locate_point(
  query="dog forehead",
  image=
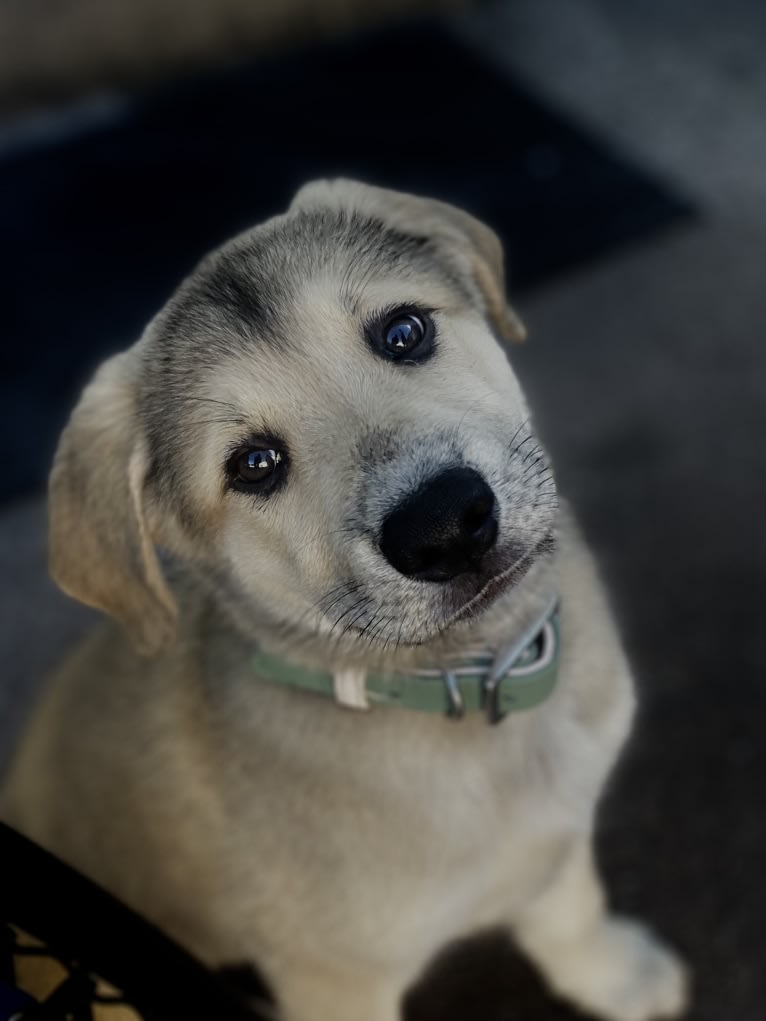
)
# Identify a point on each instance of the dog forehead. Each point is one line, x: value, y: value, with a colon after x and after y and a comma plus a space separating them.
x: 243, y: 296
x: 245, y: 291
x: 281, y: 305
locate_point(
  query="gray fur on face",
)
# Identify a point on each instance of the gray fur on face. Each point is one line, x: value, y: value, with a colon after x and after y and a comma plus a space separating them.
x: 241, y: 352
x: 239, y: 302
x: 393, y: 466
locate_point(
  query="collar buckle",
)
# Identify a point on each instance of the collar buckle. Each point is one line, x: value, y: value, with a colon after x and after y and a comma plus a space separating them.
x: 491, y: 698
x: 506, y: 662
x: 455, y: 704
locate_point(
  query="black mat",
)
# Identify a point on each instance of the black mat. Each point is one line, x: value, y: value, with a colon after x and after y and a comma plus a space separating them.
x: 98, y: 229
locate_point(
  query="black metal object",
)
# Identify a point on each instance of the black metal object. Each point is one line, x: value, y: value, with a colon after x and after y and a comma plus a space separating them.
x: 92, y: 934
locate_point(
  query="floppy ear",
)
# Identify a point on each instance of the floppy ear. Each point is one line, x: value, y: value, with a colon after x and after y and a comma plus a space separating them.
x: 100, y: 548
x: 469, y: 241
x: 488, y: 266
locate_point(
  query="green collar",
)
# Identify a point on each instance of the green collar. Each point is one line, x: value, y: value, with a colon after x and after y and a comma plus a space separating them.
x: 518, y: 676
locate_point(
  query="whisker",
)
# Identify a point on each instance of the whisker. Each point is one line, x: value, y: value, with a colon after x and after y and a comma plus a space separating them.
x: 212, y: 400
x: 217, y: 421
x: 354, y: 606
x: 530, y: 453
x: 345, y: 591
x: 470, y: 408
x: 513, y: 438
x: 531, y: 469
x: 365, y: 632
x: 399, y: 633
x: 383, y: 622
x: 359, y: 615
x: 523, y: 443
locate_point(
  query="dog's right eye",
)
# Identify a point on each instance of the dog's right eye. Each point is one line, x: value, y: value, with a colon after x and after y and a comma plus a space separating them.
x: 259, y: 468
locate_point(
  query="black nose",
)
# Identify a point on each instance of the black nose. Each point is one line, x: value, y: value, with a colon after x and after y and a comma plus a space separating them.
x: 443, y: 529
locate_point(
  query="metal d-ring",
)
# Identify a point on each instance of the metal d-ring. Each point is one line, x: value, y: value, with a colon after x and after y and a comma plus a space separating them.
x: 455, y: 704
x: 505, y: 660
x: 491, y: 697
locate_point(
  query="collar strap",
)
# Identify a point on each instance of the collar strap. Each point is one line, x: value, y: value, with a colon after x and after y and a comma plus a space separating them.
x: 522, y: 674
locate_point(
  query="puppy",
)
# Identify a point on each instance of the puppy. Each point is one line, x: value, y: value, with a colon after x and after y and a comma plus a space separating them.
x: 341, y: 722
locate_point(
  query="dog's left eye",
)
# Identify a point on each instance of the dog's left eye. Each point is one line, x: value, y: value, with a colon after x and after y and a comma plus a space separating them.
x: 406, y: 336
x: 256, y: 468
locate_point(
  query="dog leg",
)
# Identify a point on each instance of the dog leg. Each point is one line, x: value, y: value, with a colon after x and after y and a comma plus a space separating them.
x: 611, y: 967
x: 315, y: 995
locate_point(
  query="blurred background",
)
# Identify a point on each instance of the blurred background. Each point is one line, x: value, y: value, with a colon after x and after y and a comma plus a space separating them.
x: 619, y: 150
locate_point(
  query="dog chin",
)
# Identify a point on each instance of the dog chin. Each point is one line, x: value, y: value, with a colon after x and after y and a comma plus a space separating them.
x: 490, y: 591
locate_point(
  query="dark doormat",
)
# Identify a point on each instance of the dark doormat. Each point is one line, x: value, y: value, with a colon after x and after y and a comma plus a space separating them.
x: 97, y: 228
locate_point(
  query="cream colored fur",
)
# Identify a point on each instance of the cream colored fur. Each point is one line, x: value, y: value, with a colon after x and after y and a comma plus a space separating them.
x: 337, y: 850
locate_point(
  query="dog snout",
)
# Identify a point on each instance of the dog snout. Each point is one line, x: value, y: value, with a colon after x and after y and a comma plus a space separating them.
x: 443, y: 529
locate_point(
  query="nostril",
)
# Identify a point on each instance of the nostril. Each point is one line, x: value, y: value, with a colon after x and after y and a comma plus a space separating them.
x: 486, y: 531
x: 479, y: 514
x: 482, y: 537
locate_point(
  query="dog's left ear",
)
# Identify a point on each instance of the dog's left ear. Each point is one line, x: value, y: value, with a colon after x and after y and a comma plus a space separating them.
x: 101, y: 546
x: 468, y: 242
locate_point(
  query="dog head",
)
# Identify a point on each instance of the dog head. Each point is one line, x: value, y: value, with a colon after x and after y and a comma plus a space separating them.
x: 325, y: 420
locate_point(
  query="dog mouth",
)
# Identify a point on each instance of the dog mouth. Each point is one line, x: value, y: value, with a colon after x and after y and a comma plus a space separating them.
x: 500, y: 583
x: 358, y: 616
x: 494, y: 587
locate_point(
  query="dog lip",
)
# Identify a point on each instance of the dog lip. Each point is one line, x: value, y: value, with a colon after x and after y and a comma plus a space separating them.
x: 498, y: 583
x: 492, y: 588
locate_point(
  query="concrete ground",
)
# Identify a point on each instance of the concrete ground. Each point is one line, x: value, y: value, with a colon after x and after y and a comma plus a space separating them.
x: 648, y: 376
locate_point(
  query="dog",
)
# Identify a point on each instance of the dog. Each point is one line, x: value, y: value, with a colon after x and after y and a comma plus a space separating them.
x: 362, y: 689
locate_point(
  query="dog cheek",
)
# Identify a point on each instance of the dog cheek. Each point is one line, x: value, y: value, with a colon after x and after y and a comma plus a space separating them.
x: 255, y: 558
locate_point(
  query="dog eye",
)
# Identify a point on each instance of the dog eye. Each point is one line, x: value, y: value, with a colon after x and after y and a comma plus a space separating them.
x: 406, y: 336
x: 256, y: 469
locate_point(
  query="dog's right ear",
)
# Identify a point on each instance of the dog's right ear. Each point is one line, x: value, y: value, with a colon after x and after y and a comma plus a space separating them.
x: 100, y: 547
x: 467, y: 239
